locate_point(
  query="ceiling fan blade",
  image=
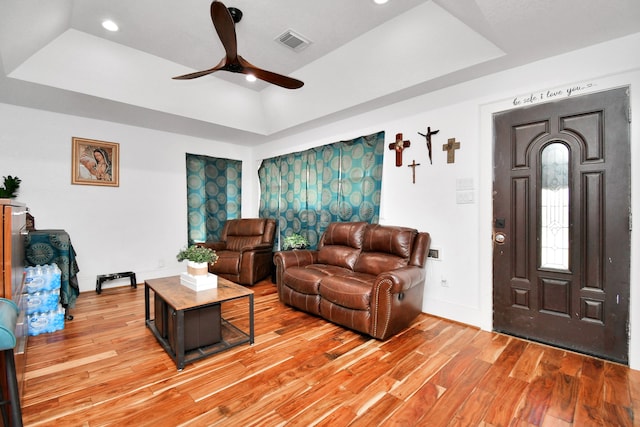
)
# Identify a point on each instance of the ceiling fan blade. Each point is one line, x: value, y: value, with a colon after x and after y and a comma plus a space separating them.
x: 197, y: 74
x: 269, y: 76
x: 194, y: 75
x: 223, y: 23
x: 277, y: 79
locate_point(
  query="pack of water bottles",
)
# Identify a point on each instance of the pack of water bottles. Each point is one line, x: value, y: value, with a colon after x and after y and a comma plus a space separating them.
x: 43, y: 301
x: 44, y: 311
x: 42, y: 278
x: 45, y: 322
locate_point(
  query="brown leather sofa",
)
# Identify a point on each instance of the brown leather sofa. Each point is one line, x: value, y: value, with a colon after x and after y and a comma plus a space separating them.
x: 367, y: 277
x: 245, y: 250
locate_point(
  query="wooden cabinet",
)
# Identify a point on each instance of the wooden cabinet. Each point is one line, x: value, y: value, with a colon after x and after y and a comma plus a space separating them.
x: 12, y: 278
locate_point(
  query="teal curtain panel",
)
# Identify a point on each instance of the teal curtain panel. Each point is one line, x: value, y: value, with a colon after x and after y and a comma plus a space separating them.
x: 307, y: 190
x: 213, y: 195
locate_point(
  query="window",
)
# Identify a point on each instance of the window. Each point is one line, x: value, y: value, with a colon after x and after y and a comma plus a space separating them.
x: 554, y: 207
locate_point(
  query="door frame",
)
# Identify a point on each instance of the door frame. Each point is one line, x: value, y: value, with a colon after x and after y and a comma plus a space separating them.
x: 485, y: 199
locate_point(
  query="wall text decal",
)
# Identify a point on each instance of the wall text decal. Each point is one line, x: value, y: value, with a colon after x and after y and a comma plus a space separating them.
x: 550, y: 94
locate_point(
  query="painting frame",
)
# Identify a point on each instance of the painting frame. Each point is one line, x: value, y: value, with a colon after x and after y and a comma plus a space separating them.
x: 95, y: 162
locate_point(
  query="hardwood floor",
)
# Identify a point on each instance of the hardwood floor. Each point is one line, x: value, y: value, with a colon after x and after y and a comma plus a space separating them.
x: 106, y: 368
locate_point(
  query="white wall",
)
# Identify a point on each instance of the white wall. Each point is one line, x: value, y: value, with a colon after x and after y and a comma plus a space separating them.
x: 142, y: 223
x: 463, y: 231
x: 138, y: 226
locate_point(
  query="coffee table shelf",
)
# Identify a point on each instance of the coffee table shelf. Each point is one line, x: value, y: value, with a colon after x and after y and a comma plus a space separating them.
x: 184, y: 300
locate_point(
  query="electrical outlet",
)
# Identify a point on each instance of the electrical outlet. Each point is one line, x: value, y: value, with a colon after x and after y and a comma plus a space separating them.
x: 464, y: 184
x: 464, y: 197
x: 434, y: 254
x: 444, y: 283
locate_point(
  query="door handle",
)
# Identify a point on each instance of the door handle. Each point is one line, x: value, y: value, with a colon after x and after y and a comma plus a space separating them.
x: 500, y: 238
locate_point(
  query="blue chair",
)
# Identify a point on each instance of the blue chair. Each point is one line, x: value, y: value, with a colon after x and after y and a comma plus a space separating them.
x: 8, y: 317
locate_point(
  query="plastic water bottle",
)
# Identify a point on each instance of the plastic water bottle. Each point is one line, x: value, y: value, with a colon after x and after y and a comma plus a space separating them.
x: 55, y: 276
x: 34, y: 302
x: 58, y: 318
x: 29, y: 274
x: 46, y: 275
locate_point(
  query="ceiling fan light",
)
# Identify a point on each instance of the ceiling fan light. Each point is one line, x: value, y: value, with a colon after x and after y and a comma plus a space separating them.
x: 109, y: 25
x: 251, y: 78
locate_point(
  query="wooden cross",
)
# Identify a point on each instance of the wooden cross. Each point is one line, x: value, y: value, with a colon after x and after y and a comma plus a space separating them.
x: 450, y: 147
x: 399, y: 145
x: 413, y: 166
x: 428, y: 136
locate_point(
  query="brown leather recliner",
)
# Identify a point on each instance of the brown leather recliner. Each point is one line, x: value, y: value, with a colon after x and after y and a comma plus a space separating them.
x: 245, y: 250
x: 367, y: 277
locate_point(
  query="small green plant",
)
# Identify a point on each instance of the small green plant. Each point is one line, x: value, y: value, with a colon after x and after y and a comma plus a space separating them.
x: 197, y: 253
x: 10, y: 188
x: 294, y: 241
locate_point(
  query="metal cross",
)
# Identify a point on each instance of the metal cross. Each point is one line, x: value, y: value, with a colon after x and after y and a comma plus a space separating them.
x: 428, y: 136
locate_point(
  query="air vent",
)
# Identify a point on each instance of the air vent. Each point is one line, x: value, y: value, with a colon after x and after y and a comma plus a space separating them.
x: 293, y: 40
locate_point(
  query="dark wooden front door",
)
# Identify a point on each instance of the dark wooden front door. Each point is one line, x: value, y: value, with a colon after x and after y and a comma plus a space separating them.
x: 561, y: 223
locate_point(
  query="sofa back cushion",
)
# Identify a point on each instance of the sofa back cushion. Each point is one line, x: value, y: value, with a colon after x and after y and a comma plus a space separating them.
x: 385, y: 248
x: 341, y: 243
x: 247, y: 232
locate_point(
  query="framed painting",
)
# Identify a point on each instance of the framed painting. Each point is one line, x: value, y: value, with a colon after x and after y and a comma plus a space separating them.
x: 95, y: 162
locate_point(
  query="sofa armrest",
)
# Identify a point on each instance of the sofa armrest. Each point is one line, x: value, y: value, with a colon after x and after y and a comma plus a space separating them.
x: 297, y: 258
x: 402, y: 279
x: 396, y: 299
x: 288, y: 259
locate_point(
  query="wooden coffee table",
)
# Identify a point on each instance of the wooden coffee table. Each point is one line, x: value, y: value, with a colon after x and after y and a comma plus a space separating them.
x: 182, y: 299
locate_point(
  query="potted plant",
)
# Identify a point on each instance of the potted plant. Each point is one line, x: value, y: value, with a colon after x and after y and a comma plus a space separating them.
x: 294, y: 241
x: 10, y: 187
x: 198, y: 259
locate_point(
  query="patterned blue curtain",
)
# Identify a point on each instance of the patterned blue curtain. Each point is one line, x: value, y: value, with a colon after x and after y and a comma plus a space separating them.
x: 213, y: 195
x: 305, y: 191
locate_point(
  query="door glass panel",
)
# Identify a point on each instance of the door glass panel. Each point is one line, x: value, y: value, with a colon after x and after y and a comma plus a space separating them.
x: 554, y: 207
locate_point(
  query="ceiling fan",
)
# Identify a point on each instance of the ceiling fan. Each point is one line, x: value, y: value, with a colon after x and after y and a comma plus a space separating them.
x: 224, y: 22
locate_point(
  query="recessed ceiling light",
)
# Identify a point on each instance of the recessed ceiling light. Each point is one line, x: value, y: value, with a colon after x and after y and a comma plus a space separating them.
x: 109, y: 25
x: 251, y: 78
x: 380, y: 1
